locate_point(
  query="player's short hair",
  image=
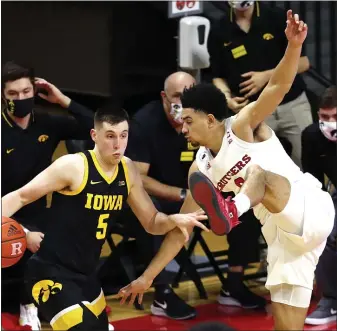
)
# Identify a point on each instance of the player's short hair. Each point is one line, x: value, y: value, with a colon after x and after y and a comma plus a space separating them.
x: 329, y: 98
x: 112, y: 113
x: 207, y: 98
x: 12, y: 71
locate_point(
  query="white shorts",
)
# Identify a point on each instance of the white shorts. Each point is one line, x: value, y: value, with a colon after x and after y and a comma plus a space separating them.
x: 292, y: 295
x: 292, y: 258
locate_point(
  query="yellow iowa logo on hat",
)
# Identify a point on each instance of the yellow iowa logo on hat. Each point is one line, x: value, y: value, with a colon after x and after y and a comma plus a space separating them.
x: 268, y: 36
x: 43, y: 138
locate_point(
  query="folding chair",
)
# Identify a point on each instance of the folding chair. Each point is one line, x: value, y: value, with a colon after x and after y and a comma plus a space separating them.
x: 198, y: 238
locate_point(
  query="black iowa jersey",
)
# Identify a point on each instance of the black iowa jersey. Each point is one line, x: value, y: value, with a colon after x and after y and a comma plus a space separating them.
x: 80, y: 220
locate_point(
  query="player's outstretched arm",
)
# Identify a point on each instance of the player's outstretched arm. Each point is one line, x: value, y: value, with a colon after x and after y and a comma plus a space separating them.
x: 172, y: 244
x: 57, y: 176
x: 280, y: 82
x: 153, y: 221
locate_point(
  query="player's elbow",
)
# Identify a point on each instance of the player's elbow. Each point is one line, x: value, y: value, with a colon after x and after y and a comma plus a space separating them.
x: 280, y: 90
x: 24, y: 197
x: 277, y: 91
x: 151, y: 230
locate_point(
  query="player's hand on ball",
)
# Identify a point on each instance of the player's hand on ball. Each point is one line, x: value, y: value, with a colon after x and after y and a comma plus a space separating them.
x: 34, y: 240
x: 137, y: 287
x: 188, y: 221
x: 296, y: 30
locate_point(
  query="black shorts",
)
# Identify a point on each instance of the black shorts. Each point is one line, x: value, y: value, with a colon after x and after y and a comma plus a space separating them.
x: 67, y: 300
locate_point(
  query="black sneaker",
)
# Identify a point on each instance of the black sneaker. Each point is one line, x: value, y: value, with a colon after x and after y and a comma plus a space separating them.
x: 321, y: 315
x: 172, y: 306
x: 241, y: 297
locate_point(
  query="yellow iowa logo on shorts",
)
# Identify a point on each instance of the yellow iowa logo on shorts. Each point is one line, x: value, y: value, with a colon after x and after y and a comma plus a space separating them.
x: 43, y: 289
x: 43, y: 138
x: 268, y: 36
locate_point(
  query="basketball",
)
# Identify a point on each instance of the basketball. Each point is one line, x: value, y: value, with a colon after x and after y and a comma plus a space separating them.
x: 13, y: 242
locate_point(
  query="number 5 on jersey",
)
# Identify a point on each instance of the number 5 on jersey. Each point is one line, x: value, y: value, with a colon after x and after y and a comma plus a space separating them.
x: 102, y: 226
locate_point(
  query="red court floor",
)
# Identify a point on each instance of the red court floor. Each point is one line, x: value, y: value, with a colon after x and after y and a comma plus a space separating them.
x: 237, y: 318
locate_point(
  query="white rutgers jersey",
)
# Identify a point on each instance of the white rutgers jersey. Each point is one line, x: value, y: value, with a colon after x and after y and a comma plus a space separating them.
x: 292, y: 257
x: 228, y: 169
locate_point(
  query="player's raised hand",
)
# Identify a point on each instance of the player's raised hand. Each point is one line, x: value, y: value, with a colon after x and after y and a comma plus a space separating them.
x: 296, y: 30
x: 137, y: 287
x: 188, y: 221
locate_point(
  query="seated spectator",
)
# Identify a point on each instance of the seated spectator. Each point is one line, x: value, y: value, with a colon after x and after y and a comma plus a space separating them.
x: 245, y: 46
x: 164, y: 157
x: 29, y: 139
x: 319, y: 157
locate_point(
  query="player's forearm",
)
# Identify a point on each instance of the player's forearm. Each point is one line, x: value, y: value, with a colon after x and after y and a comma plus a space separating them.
x: 11, y: 203
x: 160, y: 224
x: 285, y: 72
x: 160, y: 190
x: 222, y: 85
x: 170, y: 247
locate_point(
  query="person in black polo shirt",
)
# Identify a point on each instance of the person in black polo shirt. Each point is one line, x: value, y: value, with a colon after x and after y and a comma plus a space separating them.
x: 319, y: 157
x: 245, y: 46
x: 29, y: 140
x: 163, y: 157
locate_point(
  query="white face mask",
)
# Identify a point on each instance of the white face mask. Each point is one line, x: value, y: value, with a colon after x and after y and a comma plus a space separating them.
x: 240, y: 5
x: 329, y: 129
x: 176, y: 112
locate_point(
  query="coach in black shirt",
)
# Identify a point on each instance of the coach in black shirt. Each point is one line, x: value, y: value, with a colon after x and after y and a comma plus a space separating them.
x: 319, y: 157
x: 245, y: 46
x: 163, y: 157
x: 29, y: 139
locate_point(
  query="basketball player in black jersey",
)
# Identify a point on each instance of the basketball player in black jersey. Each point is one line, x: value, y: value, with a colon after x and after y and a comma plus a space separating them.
x: 90, y: 189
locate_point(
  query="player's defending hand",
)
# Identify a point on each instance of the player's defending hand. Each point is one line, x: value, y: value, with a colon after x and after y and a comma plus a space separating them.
x: 296, y: 30
x: 188, y: 221
x: 137, y: 287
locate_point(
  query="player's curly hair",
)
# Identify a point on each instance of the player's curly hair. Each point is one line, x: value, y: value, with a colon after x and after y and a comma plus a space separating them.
x: 112, y: 112
x: 207, y: 98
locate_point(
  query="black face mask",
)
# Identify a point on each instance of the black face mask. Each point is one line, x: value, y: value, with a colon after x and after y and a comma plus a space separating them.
x: 20, y: 108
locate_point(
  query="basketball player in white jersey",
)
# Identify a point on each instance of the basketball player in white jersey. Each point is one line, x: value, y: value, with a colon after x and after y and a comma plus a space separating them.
x: 241, y: 154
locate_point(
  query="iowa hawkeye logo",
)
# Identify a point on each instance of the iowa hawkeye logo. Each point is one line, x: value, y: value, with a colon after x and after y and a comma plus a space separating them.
x: 43, y: 289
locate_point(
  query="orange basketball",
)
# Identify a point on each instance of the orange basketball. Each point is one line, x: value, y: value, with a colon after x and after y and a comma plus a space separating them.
x: 13, y: 242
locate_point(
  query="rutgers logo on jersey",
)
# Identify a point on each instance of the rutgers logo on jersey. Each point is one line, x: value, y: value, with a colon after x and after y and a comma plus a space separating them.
x: 233, y: 171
